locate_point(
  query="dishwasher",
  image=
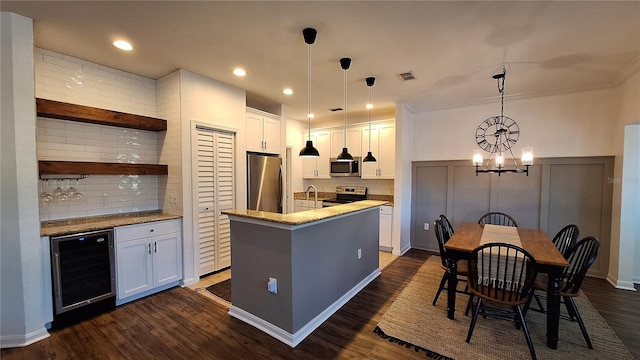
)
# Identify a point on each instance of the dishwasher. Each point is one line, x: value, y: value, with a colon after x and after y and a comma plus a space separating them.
x: 83, y: 269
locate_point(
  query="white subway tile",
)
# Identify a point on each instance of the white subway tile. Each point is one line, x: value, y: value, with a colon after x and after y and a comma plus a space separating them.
x: 50, y: 59
x: 40, y: 138
x: 100, y: 71
x: 52, y: 155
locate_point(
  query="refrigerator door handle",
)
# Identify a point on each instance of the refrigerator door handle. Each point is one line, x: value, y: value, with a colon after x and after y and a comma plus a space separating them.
x: 280, y: 191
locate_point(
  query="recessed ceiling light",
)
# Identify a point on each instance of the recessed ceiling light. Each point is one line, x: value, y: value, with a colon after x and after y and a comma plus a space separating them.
x: 239, y: 72
x: 287, y: 91
x: 122, y: 45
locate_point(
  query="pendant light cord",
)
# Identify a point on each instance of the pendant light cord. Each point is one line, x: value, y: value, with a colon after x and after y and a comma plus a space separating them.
x: 345, y: 108
x: 309, y: 89
x: 370, y: 106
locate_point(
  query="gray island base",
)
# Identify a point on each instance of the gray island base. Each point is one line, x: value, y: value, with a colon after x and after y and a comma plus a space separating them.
x: 316, y: 260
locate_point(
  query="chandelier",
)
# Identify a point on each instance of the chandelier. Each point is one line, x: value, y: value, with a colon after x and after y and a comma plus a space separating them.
x: 497, y: 135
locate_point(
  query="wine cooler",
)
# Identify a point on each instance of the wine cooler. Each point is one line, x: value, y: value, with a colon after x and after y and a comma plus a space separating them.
x: 83, y: 269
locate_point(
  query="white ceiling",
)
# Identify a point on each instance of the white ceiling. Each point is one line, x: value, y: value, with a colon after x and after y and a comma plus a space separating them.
x: 453, y: 48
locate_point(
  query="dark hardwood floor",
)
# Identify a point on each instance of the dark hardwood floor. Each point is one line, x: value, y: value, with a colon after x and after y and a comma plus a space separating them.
x: 180, y: 324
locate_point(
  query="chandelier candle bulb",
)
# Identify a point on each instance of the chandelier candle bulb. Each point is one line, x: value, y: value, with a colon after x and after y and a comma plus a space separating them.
x: 499, y: 161
x: 477, y: 157
x: 527, y: 156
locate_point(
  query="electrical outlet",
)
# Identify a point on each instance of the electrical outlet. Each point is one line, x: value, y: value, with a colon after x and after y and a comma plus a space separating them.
x: 272, y: 285
x: 426, y: 226
x: 359, y: 253
x: 104, y: 201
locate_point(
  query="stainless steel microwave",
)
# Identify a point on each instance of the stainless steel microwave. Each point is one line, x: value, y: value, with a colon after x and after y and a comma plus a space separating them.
x: 345, y: 168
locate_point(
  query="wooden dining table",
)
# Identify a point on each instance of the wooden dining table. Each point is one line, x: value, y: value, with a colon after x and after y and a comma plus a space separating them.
x: 548, y: 261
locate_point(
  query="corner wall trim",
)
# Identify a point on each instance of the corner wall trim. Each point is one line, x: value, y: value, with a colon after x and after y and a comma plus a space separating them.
x: 622, y: 285
x: 9, y: 341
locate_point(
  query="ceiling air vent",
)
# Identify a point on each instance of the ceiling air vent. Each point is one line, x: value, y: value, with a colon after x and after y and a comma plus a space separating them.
x: 406, y: 76
x: 336, y: 109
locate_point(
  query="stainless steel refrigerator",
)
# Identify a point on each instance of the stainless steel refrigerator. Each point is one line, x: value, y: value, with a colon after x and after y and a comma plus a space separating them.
x: 264, y: 183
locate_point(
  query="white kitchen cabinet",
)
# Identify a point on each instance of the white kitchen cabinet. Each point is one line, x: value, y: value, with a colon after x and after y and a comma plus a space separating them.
x: 383, y: 146
x: 386, y: 217
x: 263, y: 132
x: 317, y: 167
x: 304, y: 205
x: 148, y: 258
x: 354, y: 138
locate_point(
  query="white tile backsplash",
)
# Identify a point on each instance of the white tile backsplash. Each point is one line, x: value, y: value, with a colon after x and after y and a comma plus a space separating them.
x: 67, y: 140
x: 104, y: 195
x: 64, y: 78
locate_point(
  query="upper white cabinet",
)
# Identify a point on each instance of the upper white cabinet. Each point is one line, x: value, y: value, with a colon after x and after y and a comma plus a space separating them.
x: 354, y: 137
x: 383, y: 147
x: 263, y: 132
x: 318, y: 167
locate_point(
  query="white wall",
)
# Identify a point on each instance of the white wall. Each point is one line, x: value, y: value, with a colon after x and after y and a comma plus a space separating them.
x: 627, y: 180
x: 23, y: 312
x: 576, y: 124
x: 295, y: 131
x: 221, y: 106
x: 168, y: 102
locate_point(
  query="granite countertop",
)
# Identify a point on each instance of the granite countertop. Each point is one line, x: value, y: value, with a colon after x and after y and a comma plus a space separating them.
x: 304, y: 217
x: 78, y: 225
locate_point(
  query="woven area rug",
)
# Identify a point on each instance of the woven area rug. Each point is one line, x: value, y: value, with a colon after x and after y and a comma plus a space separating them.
x: 413, y: 322
x: 221, y: 290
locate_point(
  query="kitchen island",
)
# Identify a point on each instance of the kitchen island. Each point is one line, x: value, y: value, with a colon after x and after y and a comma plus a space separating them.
x: 291, y: 272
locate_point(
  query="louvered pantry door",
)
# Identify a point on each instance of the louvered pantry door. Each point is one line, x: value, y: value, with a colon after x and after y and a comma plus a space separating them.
x: 215, y: 171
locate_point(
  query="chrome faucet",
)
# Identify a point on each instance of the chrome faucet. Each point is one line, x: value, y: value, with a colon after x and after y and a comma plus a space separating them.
x: 315, y: 192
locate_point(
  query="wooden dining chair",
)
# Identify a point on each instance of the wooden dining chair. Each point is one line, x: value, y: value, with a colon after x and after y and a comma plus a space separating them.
x: 501, y: 274
x: 497, y: 218
x: 580, y: 257
x: 566, y: 238
x: 447, y: 225
x: 442, y: 236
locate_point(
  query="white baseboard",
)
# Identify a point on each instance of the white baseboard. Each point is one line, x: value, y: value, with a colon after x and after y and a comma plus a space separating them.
x: 294, y: 339
x: 9, y: 341
x: 189, y: 282
x: 618, y: 284
x: 402, y: 251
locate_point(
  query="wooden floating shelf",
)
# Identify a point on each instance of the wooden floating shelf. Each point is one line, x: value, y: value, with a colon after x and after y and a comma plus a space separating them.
x: 92, y: 115
x: 99, y: 168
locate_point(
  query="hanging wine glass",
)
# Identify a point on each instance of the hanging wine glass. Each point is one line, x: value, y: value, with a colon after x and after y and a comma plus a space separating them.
x: 71, y: 191
x: 58, y: 193
x: 77, y: 197
x: 45, y: 198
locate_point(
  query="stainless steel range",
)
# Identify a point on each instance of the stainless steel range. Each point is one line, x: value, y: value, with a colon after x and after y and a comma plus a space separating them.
x: 346, y: 194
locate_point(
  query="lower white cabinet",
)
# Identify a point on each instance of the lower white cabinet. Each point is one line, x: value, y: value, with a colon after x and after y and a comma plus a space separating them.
x: 386, y: 217
x: 304, y: 205
x: 148, y: 258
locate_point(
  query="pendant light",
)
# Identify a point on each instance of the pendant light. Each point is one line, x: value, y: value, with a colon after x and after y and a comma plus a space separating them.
x: 370, y: 81
x: 308, y: 150
x: 345, y: 63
